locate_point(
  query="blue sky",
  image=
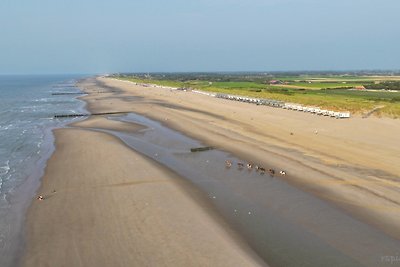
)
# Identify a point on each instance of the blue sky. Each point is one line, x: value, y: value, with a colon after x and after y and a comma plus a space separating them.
x: 98, y: 36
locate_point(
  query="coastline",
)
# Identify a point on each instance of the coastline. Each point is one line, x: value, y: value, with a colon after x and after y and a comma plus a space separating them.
x: 28, y: 143
x: 106, y: 205
x: 236, y: 129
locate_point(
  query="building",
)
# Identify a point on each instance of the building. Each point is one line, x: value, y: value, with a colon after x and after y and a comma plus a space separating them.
x: 275, y: 82
x: 361, y: 87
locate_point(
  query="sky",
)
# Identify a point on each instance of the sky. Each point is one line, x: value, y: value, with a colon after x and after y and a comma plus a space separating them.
x: 104, y: 36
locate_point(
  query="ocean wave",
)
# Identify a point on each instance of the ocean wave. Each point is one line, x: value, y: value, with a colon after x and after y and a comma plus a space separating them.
x: 46, y: 99
x: 6, y: 127
x: 4, y: 170
x: 3, y: 179
x: 46, y: 119
x: 39, y: 144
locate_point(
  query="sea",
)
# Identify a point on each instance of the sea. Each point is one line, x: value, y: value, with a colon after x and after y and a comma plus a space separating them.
x: 27, y: 108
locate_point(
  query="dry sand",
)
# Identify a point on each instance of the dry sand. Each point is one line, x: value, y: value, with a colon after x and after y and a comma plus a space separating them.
x: 113, y: 207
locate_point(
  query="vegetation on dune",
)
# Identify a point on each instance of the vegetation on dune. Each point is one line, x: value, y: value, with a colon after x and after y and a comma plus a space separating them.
x: 389, y: 85
x: 325, y: 85
x: 325, y: 91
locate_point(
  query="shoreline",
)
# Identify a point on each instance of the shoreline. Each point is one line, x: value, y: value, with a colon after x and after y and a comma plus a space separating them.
x: 227, y: 246
x: 231, y: 134
x: 22, y: 183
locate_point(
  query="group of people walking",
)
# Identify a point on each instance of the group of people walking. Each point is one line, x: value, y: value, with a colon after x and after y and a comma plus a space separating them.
x: 251, y: 166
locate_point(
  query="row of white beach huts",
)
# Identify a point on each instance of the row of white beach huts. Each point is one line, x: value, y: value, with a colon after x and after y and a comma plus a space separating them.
x: 288, y: 106
x: 258, y: 101
x: 317, y: 110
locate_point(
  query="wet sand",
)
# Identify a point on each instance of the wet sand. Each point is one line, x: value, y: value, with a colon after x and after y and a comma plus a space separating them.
x: 284, y: 225
x: 338, y: 164
x: 114, y: 207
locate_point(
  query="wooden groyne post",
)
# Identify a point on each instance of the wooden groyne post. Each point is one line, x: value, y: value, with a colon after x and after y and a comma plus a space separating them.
x: 199, y: 149
x: 71, y: 93
x: 90, y: 114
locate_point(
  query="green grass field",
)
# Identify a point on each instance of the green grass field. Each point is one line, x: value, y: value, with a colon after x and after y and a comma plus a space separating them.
x: 315, y: 93
x: 324, y: 85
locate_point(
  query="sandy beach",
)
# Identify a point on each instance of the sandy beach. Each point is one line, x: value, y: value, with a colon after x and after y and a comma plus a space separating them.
x: 113, y: 207
x: 107, y: 205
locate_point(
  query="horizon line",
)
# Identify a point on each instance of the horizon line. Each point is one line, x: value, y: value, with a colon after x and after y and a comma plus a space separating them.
x: 397, y: 71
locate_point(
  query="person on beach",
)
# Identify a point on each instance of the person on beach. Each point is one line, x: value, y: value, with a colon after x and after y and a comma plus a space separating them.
x: 40, y: 197
x: 228, y: 163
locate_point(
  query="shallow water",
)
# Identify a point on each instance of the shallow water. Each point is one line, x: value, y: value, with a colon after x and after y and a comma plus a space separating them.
x: 284, y: 225
x: 27, y: 107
